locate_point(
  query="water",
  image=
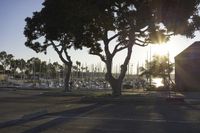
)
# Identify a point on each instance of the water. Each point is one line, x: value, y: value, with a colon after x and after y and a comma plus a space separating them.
x: 157, y: 82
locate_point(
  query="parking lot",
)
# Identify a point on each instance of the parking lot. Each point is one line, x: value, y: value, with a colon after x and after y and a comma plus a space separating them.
x: 32, y: 111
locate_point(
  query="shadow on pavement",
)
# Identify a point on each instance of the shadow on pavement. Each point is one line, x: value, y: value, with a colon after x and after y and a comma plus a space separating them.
x: 61, y: 119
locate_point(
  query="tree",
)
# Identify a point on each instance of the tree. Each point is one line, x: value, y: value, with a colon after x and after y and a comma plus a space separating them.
x: 13, y: 66
x: 1, y: 68
x: 28, y: 68
x: 147, y: 71
x: 51, y: 71
x: 97, y: 23
x: 161, y: 67
x: 5, y: 60
x: 78, y: 65
x: 133, y: 22
x: 3, y: 55
x: 49, y: 27
x: 34, y: 67
x: 58, y: 69
x: 22, y: 67
x: 17, y: 64
x: 44, y: 69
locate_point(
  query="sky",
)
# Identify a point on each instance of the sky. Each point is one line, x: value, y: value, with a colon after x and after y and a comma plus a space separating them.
x: 12, y: 39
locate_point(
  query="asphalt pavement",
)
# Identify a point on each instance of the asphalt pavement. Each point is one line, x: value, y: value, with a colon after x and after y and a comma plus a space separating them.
x: 136, y: 115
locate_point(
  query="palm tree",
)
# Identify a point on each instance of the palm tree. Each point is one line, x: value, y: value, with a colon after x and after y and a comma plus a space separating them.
x: 148, y: 71
x: 58, y: 68
x: 78, y: 64
x: 145, y: 72
x: 43, y: 69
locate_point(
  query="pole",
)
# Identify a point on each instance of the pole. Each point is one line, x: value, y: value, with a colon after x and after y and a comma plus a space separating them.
x: 168, y: 72
x: 21, y: 69
x: 128, y: 72
x: 150, y: 67
x: 137, y: 69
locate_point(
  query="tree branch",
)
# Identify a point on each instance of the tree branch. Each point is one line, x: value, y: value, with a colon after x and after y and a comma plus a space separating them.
x: 119, y: 49
x: 116, y: 49
x: 113, y: 37
x: 142, y: 43
x: 143, y: 31
x: 106, y: 44
x: 100, y: 55
x: 59, y: 52
x: 126, y: 61
x: 67, y: 56
x: 60, y: 44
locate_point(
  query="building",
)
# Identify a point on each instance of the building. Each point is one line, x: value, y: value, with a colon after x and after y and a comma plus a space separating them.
x: 187, y: 68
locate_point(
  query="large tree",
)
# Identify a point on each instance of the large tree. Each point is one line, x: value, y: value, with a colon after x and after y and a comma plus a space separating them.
x: 98, y: 23
x: 52, y: 27
x: 134, y: 22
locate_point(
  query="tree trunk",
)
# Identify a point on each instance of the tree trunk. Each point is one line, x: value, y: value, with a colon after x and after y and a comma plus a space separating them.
x: 116, y: 84
x: 67, y: 77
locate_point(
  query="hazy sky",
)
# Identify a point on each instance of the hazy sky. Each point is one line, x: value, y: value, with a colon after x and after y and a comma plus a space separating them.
x: 13, y: 13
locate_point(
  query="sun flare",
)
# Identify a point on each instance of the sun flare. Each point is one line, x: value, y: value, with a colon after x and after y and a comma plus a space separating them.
x: 161, y: 49
x: 167, y: 49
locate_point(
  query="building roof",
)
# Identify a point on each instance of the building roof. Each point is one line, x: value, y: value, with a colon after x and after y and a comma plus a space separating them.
x: 191, y: 52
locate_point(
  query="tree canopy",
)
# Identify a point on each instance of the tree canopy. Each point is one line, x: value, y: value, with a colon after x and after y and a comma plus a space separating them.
x: 95, y: 23
x: 58, y: 24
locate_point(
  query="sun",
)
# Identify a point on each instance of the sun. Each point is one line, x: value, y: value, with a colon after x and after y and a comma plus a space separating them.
x: 160, y: 49
x: 165, y: 49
